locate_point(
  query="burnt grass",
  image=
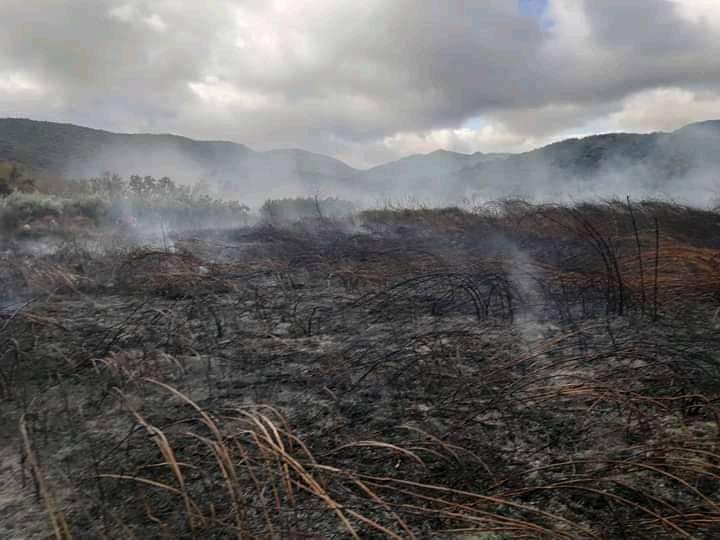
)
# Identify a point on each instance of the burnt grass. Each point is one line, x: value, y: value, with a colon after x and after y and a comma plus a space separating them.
x: 519, y: 371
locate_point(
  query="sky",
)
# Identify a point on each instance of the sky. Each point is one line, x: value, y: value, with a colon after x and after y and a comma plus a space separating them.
x: 366, y: 82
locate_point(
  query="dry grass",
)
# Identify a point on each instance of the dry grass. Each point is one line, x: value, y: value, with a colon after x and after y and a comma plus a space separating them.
x: 518, y: 371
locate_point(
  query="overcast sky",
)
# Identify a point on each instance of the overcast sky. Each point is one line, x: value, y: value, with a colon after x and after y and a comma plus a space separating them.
x: 365, y: 81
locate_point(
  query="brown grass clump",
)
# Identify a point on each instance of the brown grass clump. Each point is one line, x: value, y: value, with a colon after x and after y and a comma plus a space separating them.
x: 168, y: 274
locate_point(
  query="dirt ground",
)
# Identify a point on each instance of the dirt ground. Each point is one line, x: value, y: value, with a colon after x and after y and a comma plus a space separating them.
x: 533, y: 373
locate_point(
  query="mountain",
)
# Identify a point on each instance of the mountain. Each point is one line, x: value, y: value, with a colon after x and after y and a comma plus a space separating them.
x: 707, y: 127
x: 235, y: 169
x: 421, y: 172
x: 683, y: 164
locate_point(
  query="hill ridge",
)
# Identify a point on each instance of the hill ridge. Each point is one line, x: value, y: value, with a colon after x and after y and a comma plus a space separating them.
x: 652, y: 161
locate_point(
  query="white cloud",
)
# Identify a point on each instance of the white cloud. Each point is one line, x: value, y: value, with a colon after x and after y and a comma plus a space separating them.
x: 124, y: 12
x: 491, y: 137
x: 664, y: 109
x: 156, y: 22
x: 699, y: 11
x: 132, y: 12
x: 20, y: 84
x: 213, y: 91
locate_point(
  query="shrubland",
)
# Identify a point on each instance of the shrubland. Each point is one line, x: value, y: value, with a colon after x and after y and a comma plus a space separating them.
x: 112, y: 202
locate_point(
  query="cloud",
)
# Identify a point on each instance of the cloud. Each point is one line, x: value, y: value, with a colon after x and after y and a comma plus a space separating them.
x: 492, y: 137
x: 663, y: 109
x: 704, y: 12
x: 17, y: 83
x: 362, y: 80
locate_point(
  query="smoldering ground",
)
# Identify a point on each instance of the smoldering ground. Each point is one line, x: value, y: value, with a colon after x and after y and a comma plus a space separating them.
x: 523, y: 369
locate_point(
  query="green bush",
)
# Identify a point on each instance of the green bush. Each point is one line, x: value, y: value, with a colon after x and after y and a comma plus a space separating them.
x: 157, y: 201
x: 19, y: 208
x: 110, y: 200
x: 92, y: 207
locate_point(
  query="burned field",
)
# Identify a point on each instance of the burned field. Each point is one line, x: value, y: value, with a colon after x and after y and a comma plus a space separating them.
x: 516, y: 372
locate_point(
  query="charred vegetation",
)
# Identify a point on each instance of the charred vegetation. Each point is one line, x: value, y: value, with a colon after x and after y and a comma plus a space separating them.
x: 510, y: 371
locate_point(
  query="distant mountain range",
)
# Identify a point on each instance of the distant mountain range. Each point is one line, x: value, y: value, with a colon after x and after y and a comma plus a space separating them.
x: 67, y: 150
x: 676, y: 164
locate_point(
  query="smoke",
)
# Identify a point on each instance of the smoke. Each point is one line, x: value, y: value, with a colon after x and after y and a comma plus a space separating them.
x: 231, y: 171
x: 681, y: 166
